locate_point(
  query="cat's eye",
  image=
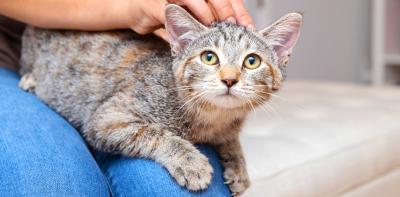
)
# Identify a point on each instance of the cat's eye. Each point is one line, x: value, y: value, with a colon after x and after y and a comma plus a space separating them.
x: 252, y: 61
x: 209, y: 58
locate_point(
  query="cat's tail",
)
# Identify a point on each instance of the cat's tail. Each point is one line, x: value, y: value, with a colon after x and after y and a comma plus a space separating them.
x: 28, y: 51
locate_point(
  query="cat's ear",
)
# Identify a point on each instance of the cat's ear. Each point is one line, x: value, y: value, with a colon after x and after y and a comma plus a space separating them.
x: 182, y: 28
x: 283, y: 35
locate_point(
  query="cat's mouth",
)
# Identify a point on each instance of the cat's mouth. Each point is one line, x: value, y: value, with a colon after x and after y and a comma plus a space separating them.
x: 228, y: 92
x: 227, y: 99
x: 222, y: 97
x: 230, y: 95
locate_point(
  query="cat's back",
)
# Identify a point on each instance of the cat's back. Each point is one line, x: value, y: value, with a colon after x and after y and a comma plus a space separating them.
x: 75, y: 71
x: 100, y: 48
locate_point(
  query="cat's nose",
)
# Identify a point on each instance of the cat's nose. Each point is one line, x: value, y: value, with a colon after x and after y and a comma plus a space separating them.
x: 229, y: 82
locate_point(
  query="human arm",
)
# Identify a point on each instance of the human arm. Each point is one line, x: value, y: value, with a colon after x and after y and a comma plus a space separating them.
x: 139, y: 15
x: 69, y: 14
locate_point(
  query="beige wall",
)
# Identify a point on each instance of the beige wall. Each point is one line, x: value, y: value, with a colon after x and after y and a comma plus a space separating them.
x: 335, y: 40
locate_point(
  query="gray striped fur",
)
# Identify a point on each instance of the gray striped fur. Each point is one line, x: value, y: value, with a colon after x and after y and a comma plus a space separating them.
x: 127, y: 95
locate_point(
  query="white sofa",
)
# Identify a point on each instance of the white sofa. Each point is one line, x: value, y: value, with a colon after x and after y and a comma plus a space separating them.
x: 325, y: 139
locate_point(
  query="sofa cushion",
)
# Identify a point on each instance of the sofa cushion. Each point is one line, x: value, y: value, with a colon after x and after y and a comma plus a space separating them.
x: 322, y: 139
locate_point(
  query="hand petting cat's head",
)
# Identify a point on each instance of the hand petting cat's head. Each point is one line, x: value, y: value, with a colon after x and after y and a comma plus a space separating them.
x: 227, y: 65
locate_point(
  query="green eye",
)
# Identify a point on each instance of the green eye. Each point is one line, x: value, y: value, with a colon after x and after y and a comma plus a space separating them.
x: 252, y: 61
x: 209, y: 58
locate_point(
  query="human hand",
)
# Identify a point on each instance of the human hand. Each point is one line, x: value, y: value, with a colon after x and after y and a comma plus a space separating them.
x: 151, y: 16
x: 208, y: 11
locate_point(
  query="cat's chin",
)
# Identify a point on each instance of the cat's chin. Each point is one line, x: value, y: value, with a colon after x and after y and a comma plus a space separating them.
x: 227, y: 101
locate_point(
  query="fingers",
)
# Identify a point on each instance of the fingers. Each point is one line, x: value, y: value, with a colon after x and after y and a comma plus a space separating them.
x: 207, y: 12
x: 148, y: 20
x: 224, y: 10
x: 214, y: 13
x: 159, y: 11
x: 199, y: 8
x: 241, y: 14
x: 162, y: 34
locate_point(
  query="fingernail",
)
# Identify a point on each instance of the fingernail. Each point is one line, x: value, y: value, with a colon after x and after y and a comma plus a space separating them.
x: 251, y: 27
x: 231, y: 20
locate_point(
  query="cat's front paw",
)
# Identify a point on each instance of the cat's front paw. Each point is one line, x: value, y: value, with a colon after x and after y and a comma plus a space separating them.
x: 237, y: 180
x: 191, y: 170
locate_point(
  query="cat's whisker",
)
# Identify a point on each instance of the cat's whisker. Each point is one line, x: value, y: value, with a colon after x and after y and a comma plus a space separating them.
x: 264, y: 105
x: 187, y: 101
x: 286, y: 101
x: 191, y: 102
x: 179, y: 88
x: 208, y: 88
x: 200, y: 79
x: 267, y: 107
x: 192, y: 99
x: 271, y: 94
x: 266, y: 110
x: 247, y: 100
x: 251, y: 105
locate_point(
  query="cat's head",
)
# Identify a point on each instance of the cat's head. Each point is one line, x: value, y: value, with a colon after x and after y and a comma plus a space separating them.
x: 227, y: 65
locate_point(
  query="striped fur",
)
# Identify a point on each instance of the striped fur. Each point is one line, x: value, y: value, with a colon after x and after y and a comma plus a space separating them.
x: 127, y: 95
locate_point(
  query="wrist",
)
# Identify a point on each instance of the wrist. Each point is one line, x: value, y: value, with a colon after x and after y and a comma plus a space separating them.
x: 119, y: 13
x: 145, y: 16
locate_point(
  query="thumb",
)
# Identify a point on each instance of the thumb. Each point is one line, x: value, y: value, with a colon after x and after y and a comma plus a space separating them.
x: 162, y: 33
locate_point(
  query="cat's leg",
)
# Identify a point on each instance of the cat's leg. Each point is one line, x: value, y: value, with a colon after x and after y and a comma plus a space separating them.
x: 118, y: 128
x: 27, y: 82
x: 235, y: 173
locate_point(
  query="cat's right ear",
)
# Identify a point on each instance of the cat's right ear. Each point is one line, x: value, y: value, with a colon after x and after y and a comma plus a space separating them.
x: 283, y: 35
x: 182, y: 28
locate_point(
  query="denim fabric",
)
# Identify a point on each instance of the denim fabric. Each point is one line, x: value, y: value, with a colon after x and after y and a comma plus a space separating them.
x: 42, y: 155
x: 142, y: 177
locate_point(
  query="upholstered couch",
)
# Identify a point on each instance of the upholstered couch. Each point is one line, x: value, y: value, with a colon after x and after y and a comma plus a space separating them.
x: 320, y: 139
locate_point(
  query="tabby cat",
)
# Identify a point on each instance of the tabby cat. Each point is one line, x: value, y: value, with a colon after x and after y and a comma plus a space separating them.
x: 128, y: 95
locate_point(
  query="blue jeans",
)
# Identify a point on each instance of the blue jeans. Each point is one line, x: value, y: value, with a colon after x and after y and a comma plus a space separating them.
x: 42, y: 155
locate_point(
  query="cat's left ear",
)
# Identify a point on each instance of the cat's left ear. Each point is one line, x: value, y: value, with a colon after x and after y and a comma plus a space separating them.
x: 283, y: 35
x: 182, y: 28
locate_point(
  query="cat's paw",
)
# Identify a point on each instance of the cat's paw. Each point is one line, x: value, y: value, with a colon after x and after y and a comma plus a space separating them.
x: 27, y: 82
x: 237, y: 180
x: 191, y: 170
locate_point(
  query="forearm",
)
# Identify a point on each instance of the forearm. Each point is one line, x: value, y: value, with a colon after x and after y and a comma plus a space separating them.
x: 69, y: 14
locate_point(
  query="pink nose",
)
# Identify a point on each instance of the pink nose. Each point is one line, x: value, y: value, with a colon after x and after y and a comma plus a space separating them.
x: 229, y: 82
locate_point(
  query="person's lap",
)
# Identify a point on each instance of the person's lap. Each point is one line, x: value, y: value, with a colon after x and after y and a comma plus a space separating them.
x: 141, y: 177
x: 41, y: 154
